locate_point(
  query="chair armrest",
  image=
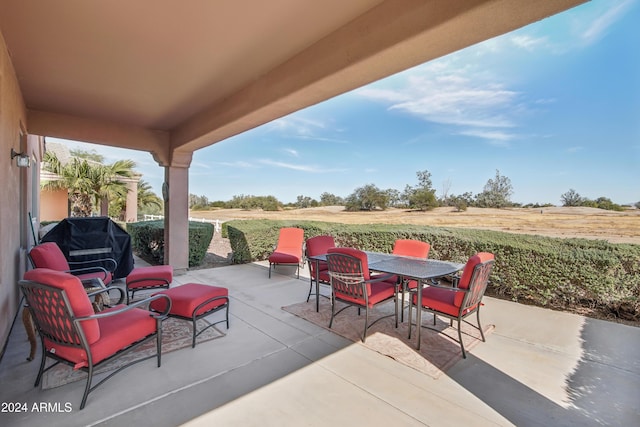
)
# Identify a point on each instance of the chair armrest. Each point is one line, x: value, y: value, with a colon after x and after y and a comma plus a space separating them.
x: 106, y: 290
x: 89, y: 270
x: 158, y: 315
x: 380, y: 279
x: 448, y: 288
x: 111, y: 261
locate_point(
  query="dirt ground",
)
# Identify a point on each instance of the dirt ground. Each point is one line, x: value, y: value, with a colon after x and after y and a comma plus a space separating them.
x: 590, y: 223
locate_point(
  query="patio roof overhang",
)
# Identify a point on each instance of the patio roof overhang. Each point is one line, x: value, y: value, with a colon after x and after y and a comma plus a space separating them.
x: 172, y: 77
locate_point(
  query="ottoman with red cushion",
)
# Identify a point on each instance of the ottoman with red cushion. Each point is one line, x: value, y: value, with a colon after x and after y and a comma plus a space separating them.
x: 193, y: 301
x: 153, y: 277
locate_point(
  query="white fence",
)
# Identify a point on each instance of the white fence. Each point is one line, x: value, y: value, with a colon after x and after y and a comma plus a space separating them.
x: 217, y: 224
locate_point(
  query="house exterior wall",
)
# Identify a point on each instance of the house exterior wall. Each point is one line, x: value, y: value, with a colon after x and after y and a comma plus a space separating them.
x: 54, y: 205
x: 17, y: 195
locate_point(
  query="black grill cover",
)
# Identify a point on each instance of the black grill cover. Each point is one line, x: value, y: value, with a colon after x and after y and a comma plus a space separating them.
x: 86, y: 239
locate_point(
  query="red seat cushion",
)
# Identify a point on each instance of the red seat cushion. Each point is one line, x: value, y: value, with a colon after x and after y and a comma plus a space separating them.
x: 116, y: 333
x: 284, y: 258
x: 441, y: 300
x: 380, y: 291
x: 289, y: 248
x: 323, y: 274
x: 144, y: 277
x: 185, y: 299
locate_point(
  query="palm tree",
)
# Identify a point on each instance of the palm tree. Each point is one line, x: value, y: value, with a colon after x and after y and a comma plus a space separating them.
x: 87, y: 182
x: 148, y: 202
x: 107, y: 185
x: 147, y: 199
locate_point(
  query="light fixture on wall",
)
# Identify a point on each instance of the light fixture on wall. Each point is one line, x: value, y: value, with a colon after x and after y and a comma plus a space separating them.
x: 22, y: 161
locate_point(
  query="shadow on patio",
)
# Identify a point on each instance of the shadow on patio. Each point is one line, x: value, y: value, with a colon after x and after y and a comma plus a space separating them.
x: 539, y: 367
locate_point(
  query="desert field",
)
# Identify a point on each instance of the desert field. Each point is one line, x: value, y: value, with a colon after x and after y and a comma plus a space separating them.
x: 565, y: 222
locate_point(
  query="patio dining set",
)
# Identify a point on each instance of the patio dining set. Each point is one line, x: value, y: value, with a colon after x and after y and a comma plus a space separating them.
x: 365, y: 279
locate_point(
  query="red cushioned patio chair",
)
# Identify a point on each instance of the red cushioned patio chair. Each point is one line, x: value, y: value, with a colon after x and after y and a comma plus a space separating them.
x: 49, y: 255
x: 457, y: 303
x: 352, y: 284
x: 71, y: 333
x: 289, y: 248
x: 318, y: 270
x: 412, y: 248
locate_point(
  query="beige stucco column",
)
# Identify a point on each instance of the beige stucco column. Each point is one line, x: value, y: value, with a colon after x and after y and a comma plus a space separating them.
x: 131, y: 209
x: 175, y: 191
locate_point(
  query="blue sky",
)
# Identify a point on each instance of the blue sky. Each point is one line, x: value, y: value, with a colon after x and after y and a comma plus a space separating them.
x: 553, y: 106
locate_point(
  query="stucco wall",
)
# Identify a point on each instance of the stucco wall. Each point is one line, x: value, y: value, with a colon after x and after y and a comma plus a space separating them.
x: 54, y: 205
x: 16, y: 196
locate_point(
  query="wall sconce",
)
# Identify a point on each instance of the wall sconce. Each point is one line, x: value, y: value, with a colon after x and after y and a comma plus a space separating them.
x: 23, y: 160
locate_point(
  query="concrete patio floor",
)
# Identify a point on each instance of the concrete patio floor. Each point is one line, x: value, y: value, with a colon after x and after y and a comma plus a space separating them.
x: 538, y: 368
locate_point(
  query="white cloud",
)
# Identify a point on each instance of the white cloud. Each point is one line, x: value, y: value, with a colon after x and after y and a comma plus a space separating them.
x: 292, y: 152
x: 297, y: 167
x: 294, y: 126
x: 494, y: 137
x: 238, y: 164
x: 528, y: 42
x: 604, y: 20
x: 459, y: 96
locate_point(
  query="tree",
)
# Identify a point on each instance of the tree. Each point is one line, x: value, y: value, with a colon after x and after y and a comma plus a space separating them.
x: 106, y: 182
x: 148, y: 202
x: 394, y: 197
x: 367, y: 198
x: 198, y: 202
x: 497, y: 193
x: 267, y: 203
x: 459, y: 202
x: 87, y: 182
x: 305, y: 202
x: 571, y: 198
x: 423, y: 196
x: 606, y: 203
x: 446, y: 186
x: 328, y: 199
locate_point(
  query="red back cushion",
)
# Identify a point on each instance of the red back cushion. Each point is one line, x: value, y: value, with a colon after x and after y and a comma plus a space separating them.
x: 49, y: 255
x: 290, y: 240
x: 78, y: 299
x: 357, y: 254
x: 317, y: 246
x: 414, y: 248
x: 467, y: 273
x: 320, y: 245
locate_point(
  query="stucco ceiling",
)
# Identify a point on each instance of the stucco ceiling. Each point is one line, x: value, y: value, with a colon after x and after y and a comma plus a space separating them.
x: 166, y: 76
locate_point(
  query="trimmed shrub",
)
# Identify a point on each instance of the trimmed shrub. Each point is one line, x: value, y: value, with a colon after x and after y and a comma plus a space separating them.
x: 544, y: 271
x: 147, y: 239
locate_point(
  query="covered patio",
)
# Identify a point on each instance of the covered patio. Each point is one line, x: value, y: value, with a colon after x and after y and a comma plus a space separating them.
x: 538, y: 368
x: 169, y: 79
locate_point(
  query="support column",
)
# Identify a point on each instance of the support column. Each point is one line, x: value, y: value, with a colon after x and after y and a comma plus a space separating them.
x: 175, y: 191
x: 131, y: 207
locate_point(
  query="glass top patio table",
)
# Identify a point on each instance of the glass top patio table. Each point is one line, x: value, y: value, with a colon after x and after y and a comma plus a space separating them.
x: 419, y: 269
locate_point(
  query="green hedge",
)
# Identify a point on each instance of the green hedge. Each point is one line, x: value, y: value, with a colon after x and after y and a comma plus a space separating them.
x: 544, y: 271
x: 147, y: 239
